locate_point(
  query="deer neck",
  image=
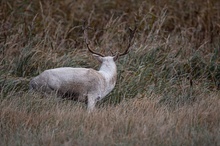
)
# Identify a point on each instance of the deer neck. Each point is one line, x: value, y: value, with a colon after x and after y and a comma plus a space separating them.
x: 109, y: 72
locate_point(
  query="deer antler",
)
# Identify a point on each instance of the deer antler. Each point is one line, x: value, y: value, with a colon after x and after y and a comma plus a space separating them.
x: 87, y: 41
x: 131, y: 36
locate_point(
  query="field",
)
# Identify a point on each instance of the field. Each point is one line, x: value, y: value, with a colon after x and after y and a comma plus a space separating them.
x: 168, y: 86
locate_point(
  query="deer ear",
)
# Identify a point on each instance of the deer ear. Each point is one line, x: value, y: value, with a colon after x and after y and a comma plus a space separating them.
x: 99, y: 58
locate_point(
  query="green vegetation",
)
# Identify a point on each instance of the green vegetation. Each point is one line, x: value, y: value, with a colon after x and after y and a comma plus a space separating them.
x: 167, y: 90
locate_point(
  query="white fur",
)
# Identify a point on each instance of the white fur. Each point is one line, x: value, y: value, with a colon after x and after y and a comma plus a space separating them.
x: 82, y: 83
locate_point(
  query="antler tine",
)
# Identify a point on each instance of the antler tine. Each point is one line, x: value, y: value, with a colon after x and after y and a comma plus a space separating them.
x: 131, y: 34
x: 87, y: 41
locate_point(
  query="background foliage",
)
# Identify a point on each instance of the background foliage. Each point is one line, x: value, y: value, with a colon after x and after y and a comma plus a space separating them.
x: 167, y: 91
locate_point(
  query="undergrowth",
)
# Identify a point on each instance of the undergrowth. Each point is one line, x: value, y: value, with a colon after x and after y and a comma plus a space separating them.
x: 167, y: 90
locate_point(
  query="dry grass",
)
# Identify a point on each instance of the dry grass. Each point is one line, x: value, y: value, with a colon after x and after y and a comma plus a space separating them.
x: 140, y: 121
x: 168, y: 85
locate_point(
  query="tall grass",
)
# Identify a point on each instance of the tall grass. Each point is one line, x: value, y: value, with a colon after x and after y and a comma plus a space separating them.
x: 167, y: 91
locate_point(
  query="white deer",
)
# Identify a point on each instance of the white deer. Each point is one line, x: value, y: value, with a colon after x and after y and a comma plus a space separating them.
x: 82, y: 84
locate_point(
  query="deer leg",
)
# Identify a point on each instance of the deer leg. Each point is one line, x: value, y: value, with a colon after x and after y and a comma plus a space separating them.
x: 92, y: 100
